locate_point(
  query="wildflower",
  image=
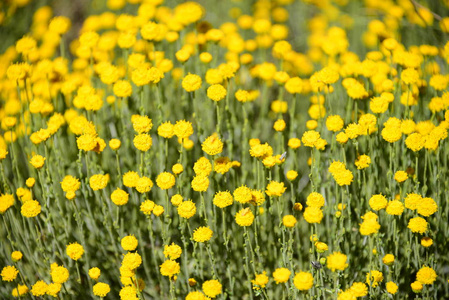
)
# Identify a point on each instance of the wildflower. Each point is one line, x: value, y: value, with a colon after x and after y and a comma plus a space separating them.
x: 39, y: 288
x: 143, y: 142
x: 216, y: 92
x: 313, y: 214
x: 212, y: 145
x: 30, y: 209
x: 130, y: 179
x: 129, y: 243
x: 177, y: 169
x: 315, y: 199
x: 289, y: 221
x: 19, y: 290
x: 409, y: 76
x: 166, y: 130
x: 59, y: 274
x: 158, y: 210
x: 212, y: 288
x: 291, y: 175
x: 115, y: 144
x: 275, y: 189
x: 374, y: 277
x: 223, y: 199
x: 243, y: 194
x: 334, y: 123
x: 37, y: 161
x: 260, y: 281
x: 281, y: 275
x: 132, y: 260
x: 6, y: 201
x: 128, y: 292
x: 147, y: 207
x: 195, y: 295
x: 191, y: 82
x: 200, y: 183
x: 279, y: 125
x: 337, y: 261
x: 101, y: 289
x: 144, y: 184
x: 165, y: 181
x: 310, y: 138
x: 321, y: 247
x: 426, y: 242
x: 9, y: 273
x: 244, y: 217
x: 183, y: 129
x: 400, y: 176
x: 187, y: 209
x: 74, y: 251
x: 395, y: 208
x: 294, y: 143
x: 416, y: 287
x: 16, y: 256
x: 303, y: 281
x: 359, y: 289
x: 170, y: 268
x: 426, y: 275
x: 202, y: 234
x: 426, y: 207
x: 141, y: 124
x: 98, y: 181
x: 362, y: 162
x: 119, y: 197
x: 173, y: 251
x: 418, y: 225
x: 94, y: 273
x: 53, y: 289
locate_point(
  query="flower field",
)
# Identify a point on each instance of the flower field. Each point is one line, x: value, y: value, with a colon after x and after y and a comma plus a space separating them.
x: 279, y: 149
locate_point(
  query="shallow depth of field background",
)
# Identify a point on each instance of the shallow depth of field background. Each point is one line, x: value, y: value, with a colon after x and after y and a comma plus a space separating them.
x: 278, y: 149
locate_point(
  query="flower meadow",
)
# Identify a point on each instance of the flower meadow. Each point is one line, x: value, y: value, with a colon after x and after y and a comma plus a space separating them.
x: 225, y: 150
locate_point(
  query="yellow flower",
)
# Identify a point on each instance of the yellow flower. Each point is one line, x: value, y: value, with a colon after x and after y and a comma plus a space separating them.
x: 173, y: 251
x: 187, y: 209
x: 426, y: 275
x: 212, y: 145
x: 395, y: 208
x: 362, y: 162
x: 315, y: 199
x: 313, y: 214
x: 59, y: 274
x: 200, y: 183
x: 141, y: 124
x: 281, y: 275
x: 144, y: 184
x: 30, y: 209
x: 9, y: 273
x: 183, y: 129
x: 119, y: 197
x: 132, y: 260
x: 39, y: 288
x: 129, y: 243
x: 400, y: 176
x: 244, y: 217
x: 223, y: 199
x: 94, y: 273
x: 143, y: 142
x: 337, y: 261
x: 374, y: 277
x: 191, y: 82
x: 275, y: 189
x: 279, y: 125
x: 74, y: 251
x: 289, y: 221
x: 388, y: 259
x: 115, y: 144
x: 166, y: 130
x: 216, y: 92
x: 101, y: 289
x: 260, y: 281
x: 202, y: 234
x: 303, y: 281
x: 98, y: 181
x: 165, y: 181
x: 37, y: 161
x: 212, y: 288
